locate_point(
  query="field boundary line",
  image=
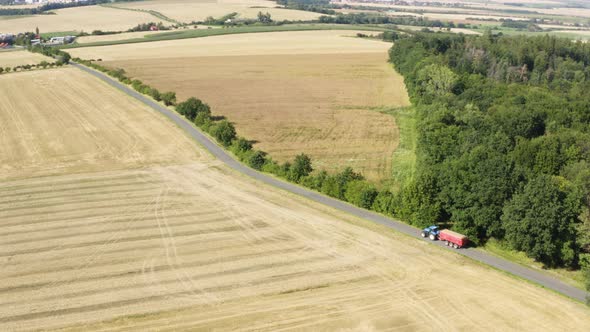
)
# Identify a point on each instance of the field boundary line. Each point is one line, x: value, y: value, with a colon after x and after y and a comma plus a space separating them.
x: 202, y: 33
x: 218, y: 152
x: 154, y: 13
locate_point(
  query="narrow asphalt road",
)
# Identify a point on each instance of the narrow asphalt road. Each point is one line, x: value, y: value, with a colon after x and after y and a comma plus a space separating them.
x: 478, y: 255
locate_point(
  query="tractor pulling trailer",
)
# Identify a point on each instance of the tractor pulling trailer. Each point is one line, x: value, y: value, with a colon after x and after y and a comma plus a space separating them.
x: 452, y: 239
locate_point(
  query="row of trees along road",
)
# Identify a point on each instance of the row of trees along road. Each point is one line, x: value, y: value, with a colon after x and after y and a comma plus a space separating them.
x: 504, y: 140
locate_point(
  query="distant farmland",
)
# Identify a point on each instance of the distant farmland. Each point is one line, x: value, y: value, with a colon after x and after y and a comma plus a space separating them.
x: 87, y: 19
x: 113, y: 220
x: 291, y: 92
x: 198, y: 10
x: 14, y: 58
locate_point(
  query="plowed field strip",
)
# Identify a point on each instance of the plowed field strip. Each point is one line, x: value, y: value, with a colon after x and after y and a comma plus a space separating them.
x: 50, y: 187
x: 103, y: 208
x: 280, y: 279
x: 40, y: 208
x: 106, y: 260
x: 131, y: 274
x: 111, y: 215
x: 31, y: 199
x: 126, y: 239
x: 189, y: 319
x: 79, y: 223
x: 174, y: 280
x: 110, y: 238
x: 158, y: 268
x: 78, y: 233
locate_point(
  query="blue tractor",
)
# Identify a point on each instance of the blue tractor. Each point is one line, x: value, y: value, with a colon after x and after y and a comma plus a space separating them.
x: 430, y: 232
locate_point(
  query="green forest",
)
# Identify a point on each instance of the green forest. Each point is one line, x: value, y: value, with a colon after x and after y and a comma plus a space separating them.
x: 503, y: 140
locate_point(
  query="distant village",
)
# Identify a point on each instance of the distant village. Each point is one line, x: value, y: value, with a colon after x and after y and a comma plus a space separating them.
x: 9, y: 40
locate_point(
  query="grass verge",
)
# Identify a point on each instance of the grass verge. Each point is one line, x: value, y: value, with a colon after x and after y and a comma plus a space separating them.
x: 403, y: 164
x: 501, y: 249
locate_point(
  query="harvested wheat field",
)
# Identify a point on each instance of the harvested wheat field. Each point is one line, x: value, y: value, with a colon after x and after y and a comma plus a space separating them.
x: 52, y: 123
x: 291, y: 92
x: 185, y: 244
x: 14, y: 58
x: 199, y: 10
x: 87, y: 19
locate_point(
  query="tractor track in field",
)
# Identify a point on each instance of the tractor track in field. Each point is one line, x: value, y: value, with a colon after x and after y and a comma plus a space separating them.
x: 536, y: 277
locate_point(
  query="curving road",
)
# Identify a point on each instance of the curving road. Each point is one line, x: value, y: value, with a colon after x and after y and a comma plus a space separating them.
x: 478, y: 255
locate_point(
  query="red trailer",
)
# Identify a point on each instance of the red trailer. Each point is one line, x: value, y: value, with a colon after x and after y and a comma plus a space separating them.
x: 453, y: 239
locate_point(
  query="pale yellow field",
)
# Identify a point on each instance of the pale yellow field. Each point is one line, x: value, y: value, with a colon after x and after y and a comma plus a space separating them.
x: 579, y: 12
x: 267, y: 43
x: 125, y: 35
x: 291, y: 92
x: 21, y: 57
x: 48, y: 124
x: 457, y: 17
x: 86, y: 19
x: 199, y: 10
x: 141, y: 243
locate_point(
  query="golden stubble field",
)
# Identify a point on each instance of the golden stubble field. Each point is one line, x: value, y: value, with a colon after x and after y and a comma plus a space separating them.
x: 48, y: 125
x: 291, y: 92
x: 142, y: 243
x: 199, y: 10
x: 14, y: 58
x: 87, y: 19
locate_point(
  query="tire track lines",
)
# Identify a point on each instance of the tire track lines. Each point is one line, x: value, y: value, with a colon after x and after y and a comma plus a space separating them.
x: 157, y: 268
x: 266, y: 304
x: 116, y: 253
x: 277, y: 279
x: 31, y: 186
x: 41, y: 208
x: 90, y: 222
x: 127, y: 239
x: 88, y: 215
x: 131, y: 288
x: 393, y: 285
x: 30, y: 199
x: 31, y: 149
x: 78, y: 233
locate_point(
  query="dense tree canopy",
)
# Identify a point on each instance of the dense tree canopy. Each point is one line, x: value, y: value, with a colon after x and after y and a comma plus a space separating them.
x: 192, y: 107
x: 503, y: 140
